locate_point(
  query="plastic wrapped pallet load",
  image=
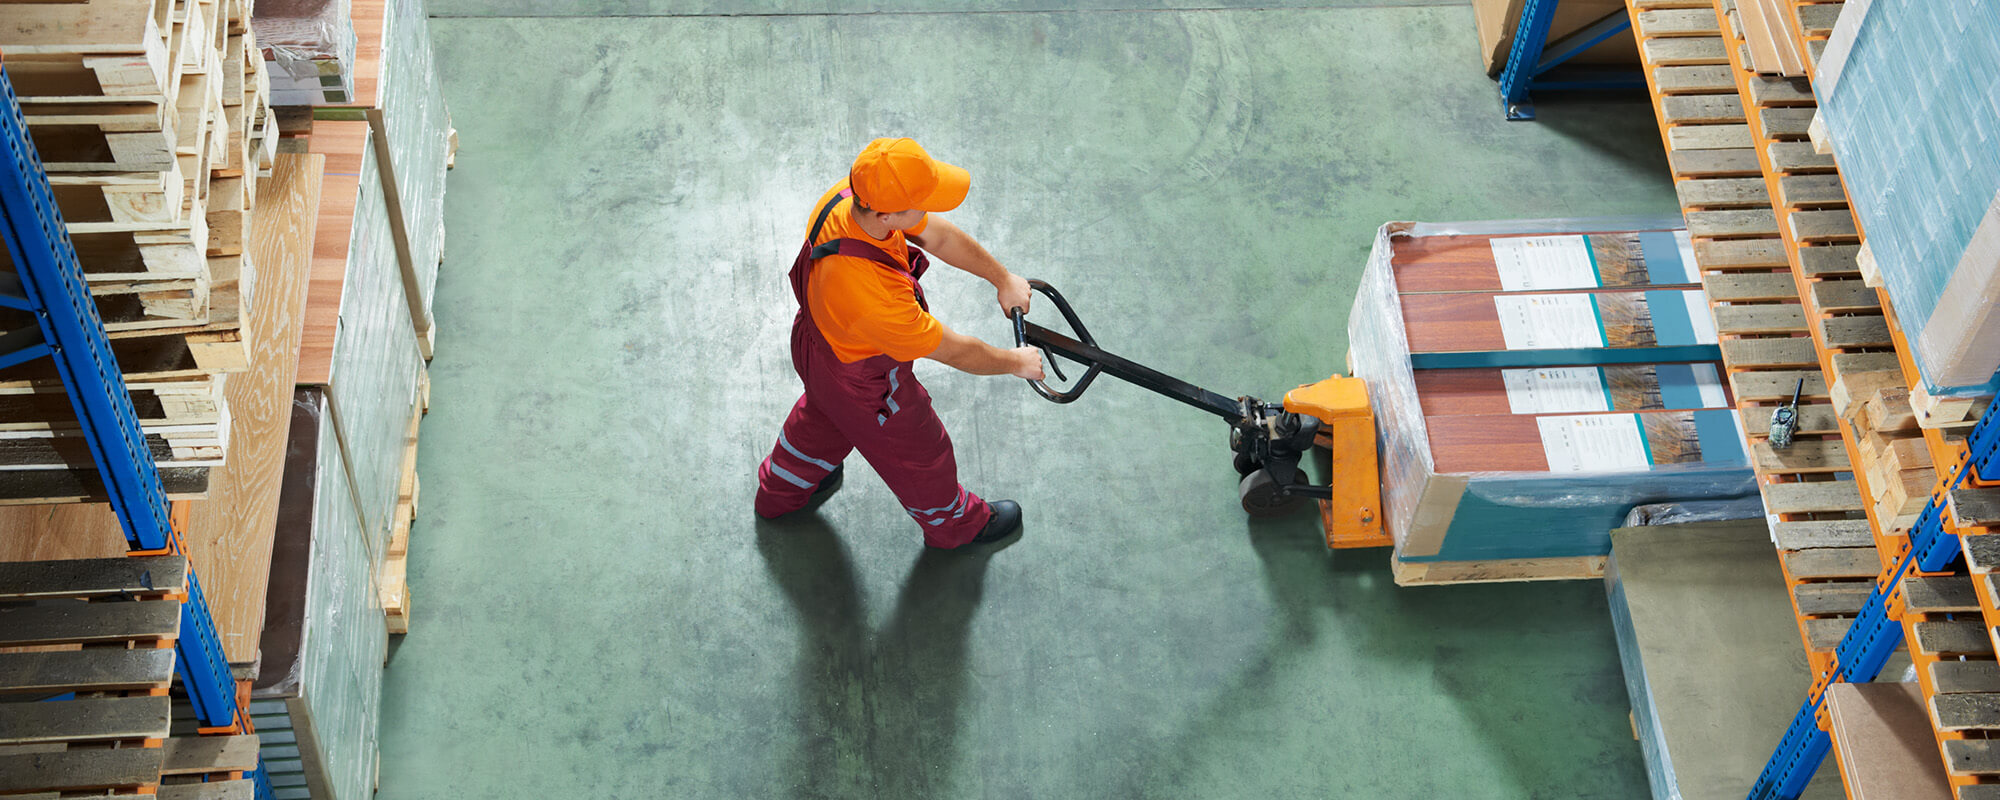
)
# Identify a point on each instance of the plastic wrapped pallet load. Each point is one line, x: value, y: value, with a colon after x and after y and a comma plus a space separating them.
x: 1540, y: 503
x: 418, y: 130
x: 365, y: 353
x: 1685, y: 599
x: 397, y: 91
x: 309, y: 48
x: 317, y: 699
x: 1906, y: 92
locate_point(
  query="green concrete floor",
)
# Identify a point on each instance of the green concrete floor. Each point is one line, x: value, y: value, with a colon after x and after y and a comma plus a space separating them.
x: 598, y: 614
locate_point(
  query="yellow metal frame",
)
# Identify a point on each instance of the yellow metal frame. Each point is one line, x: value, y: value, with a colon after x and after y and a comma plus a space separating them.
x: 1353, y: 518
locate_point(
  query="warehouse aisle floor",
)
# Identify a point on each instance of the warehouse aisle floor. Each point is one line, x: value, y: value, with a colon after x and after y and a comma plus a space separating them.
x: 598, y: 614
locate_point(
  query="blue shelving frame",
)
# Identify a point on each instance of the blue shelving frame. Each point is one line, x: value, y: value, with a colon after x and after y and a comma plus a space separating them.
x: 1535, y: 63
x: 48, y: 283
x: 1875, y: 635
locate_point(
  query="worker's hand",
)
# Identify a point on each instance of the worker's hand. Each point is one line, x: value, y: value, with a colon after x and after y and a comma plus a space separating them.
x: 1028, y: 362
x: 1014, y: 293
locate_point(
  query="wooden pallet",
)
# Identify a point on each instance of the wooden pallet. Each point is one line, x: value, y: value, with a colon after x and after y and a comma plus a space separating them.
x: 152, y: 120
x: 1709, y: 128
x: 104, y: 630
x: 394, y: 583
x: 1424, y: 573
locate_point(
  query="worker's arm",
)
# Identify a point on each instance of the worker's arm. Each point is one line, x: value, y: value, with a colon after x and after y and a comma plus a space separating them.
x: 965, y: 353
x: 959, y: 249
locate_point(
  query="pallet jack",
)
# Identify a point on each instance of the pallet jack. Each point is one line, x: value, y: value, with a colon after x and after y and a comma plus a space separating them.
x: 1269, y: 439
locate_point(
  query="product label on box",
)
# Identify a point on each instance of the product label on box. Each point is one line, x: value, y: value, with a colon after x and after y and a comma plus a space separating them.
x: 1686, y: 246
x: 1594, y: 443
x: 1555, y: 390
x: 1528, y: 263
x: 1548, y: 321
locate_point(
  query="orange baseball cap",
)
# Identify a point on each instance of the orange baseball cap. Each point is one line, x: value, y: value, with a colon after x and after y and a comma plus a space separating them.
x: 894, y: 175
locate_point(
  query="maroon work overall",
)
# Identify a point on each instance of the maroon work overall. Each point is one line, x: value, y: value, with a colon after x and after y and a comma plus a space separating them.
x: 874, y: 405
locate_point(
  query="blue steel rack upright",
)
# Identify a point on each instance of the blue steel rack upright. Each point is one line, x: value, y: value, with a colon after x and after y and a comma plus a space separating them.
x: 48, y: 283
x: 1533, y: 61
x: 1875, y: 635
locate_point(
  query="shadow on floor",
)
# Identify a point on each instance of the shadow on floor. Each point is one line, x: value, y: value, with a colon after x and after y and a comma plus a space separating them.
x: 876, y: 716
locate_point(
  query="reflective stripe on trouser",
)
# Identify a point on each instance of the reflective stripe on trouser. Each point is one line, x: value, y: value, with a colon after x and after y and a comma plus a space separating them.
x: 848, y: 407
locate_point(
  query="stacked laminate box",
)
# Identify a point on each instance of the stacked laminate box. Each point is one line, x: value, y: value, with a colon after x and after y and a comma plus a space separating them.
x: 151, y: 118
x: 317, y: 699
x: 1907, y: 98
x: 1532, y: 382
x: 360, y: 344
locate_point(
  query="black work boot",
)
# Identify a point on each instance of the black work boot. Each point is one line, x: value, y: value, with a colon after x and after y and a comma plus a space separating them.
x: 827, y: 485
x: 1003, y: 526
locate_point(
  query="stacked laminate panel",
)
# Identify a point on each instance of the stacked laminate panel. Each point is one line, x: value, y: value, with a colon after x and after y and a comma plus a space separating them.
x: 1518, y: 421
x: 317, y: 700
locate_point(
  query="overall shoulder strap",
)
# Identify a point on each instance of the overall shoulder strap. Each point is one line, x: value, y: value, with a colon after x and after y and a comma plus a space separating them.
x: 820, y: 222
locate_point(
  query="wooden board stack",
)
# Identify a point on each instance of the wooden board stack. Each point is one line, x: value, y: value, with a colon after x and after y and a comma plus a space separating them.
x: 110, y: 655
x: 1768, y: 331
x: 152, y: 119
x: 1868, y: 456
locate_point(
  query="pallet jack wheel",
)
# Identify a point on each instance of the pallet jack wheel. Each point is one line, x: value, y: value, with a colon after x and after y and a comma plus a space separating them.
x: 1262, y: 498
x: 1244, y: 464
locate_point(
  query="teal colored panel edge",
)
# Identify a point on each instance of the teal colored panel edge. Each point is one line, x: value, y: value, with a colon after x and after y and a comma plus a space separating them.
x: 1663, y: 259
x: 1715, y: 429
x: 1578, y: 356
x: 1671, y: 325
x: 1558, y: 517
x: 1677, y: 387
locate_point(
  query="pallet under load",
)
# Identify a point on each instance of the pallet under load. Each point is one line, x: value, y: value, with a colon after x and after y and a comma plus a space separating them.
x: 1518, y: 426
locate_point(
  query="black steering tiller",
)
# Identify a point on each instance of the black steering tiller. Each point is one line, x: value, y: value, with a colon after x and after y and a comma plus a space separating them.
x: 1268, y: 440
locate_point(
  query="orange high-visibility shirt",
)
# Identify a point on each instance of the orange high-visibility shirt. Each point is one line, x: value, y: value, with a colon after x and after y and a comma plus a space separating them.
x: 863, y: 308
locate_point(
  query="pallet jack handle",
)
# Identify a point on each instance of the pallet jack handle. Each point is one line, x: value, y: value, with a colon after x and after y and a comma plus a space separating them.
x: 1084, y: 350
x: 1021, y: 339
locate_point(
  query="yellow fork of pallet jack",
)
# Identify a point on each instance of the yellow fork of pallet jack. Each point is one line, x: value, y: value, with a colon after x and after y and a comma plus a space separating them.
x: 1353, y: 518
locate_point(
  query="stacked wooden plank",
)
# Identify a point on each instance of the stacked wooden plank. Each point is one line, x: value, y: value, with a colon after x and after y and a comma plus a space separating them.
x: 1837, y: 534
x: 152, y: 119
x: 1767, y: 333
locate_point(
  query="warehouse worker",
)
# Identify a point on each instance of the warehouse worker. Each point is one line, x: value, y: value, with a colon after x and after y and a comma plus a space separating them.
x: 862, y: 320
